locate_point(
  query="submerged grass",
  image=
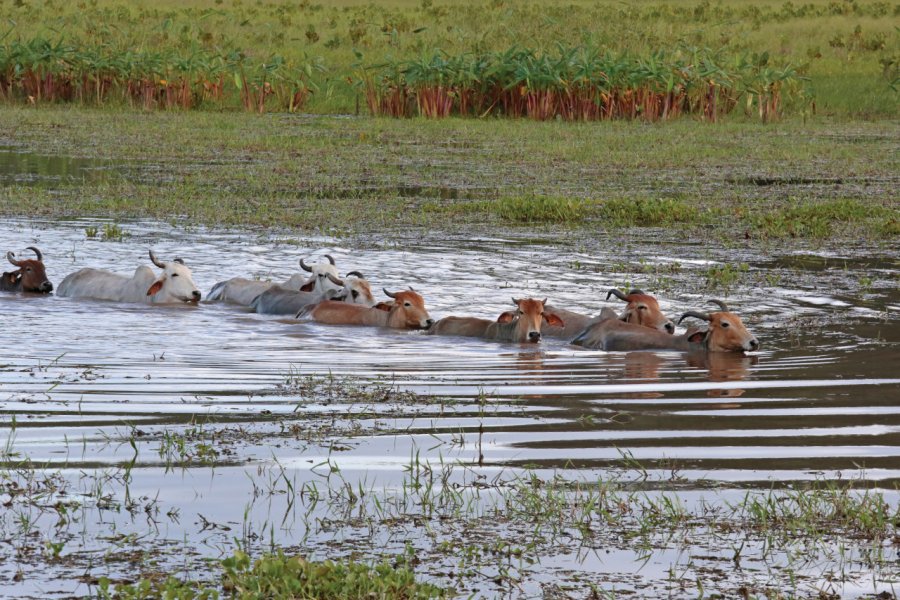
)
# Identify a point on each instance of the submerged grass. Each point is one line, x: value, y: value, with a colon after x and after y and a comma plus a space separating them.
x: 276, y: 575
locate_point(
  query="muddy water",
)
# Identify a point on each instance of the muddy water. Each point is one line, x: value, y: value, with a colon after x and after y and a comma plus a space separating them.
x: 92, y: 384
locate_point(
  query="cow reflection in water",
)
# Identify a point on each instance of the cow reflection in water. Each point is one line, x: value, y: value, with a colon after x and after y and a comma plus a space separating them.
x: 723, y: 366
x: 644, y: 367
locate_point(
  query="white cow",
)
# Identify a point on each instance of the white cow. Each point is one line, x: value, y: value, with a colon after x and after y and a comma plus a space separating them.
x: 241, y: 291
x: 175, y: 285
x: 278, y: 300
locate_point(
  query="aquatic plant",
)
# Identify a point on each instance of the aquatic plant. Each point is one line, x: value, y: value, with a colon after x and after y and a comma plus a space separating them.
x: 581, y: 83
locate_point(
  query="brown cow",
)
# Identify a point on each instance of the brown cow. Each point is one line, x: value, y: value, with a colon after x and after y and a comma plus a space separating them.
x: 642, y: 309
x: 522, y: 325
x: 30, y: 276
x: 725, y: 333
x: 405, y: 311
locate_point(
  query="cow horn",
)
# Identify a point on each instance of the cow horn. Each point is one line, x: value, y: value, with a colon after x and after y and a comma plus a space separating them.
x: 156, y: 261
x: 180, y: 261
x: 356, y: 274
x: 330, y: 259
x: 388, y: 294
x: 37, y: 252
x: 720, y: 304
x: 11, y: 258
x: 335, y: 280
x: 515, y: 301
x: 305, y: 266
x: 411, y: 288
x: 544, y: 302
x: 695, y: 314
x: 615, y: 292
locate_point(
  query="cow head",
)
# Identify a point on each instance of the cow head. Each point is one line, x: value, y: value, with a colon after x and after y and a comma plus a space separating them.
x: 175, y: 284
x: 354, y: 289
x: 529, y: 317
x: 31, y: 273
x: 407, y: 310
x: 642, y: 309
x: 725, y: 332
x: 318, y: 280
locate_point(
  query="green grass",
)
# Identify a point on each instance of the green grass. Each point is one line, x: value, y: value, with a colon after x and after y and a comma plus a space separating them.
x: 840, y: 46
x: 738, y: 180
x: 280, y: 576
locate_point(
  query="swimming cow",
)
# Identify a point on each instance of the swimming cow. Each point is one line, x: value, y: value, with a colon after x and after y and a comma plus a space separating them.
x: 174, y: 285
x: 29, y: 277
x: 725, y: 333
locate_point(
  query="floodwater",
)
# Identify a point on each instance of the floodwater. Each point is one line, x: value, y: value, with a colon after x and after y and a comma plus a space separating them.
x: 88, y: 388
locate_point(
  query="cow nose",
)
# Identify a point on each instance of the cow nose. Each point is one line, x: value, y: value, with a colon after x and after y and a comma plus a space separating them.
x: 46, y: 287
x: 429, y: 323
x: 670, y: 327
x: 753, y: 343
x: 534, y: 336
x: 196, y: 294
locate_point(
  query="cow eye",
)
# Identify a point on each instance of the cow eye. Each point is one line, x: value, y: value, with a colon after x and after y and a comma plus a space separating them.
x: 28, y: 269
x: 174, y: 274
x: 642, y: 308
x: 407, y: 304
x: 354, y: 293
x: 724, y: 323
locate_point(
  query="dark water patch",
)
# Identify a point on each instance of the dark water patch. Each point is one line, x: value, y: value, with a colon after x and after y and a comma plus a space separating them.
x: 21, y: 167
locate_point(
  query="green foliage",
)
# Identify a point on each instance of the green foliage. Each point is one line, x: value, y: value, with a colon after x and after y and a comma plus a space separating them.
x: 539, y: 209
x: 585, y: 83
x: 280, y: 576
x: 153, y: 589
x: 818, y: 219
x: 647, y: 212
x: 840, y: 45
x: 725, y: 276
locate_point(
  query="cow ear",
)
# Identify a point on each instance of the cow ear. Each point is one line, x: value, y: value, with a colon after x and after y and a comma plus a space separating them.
x: 157, y: 285
x: 697, y: 337
x: 506, y: 317
x: 554, y: 319
x: 385, y: 306
x: 308, y: 287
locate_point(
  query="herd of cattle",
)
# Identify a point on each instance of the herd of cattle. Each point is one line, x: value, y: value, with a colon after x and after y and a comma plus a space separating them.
x: 320, y: 294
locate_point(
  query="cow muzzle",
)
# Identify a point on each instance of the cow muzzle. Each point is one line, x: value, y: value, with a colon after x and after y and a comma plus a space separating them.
x: 46, y: 287
x: 751, y: 344
x: 534, y: 336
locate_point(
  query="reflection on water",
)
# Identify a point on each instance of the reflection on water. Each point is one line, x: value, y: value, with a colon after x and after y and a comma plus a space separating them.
x: 18, y: 167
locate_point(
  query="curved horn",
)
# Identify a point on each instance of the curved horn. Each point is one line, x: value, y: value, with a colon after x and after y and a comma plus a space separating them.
x: 544, y: 302
x: 37, y: 252
x: 388, y: 294
x: 330, y: 259
x: 411, y: 288
x: 695, y: 314
x: 11, y: 258
x: 180, y: 261
x: 305, y: 266
x: 515, y: 301
x: 356, y: 274
x: 156, y: 261
x: 720, y: 304
x: 617, y: 294
x: 335, y: 280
